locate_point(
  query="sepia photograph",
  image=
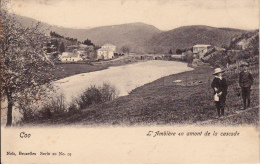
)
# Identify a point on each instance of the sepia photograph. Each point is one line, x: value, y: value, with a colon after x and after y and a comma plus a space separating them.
x: 95, y: 81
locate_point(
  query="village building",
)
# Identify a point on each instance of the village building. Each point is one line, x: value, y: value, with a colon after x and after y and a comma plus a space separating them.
x: 78, y: 53
x: 106, y: 51
x: 176, y: 56
x: 109, y: 46
x: 241, y: 45
x: 71, y: 56
x: 200, y: 50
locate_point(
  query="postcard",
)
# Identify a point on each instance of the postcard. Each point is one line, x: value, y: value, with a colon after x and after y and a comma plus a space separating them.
x: 129, y: 81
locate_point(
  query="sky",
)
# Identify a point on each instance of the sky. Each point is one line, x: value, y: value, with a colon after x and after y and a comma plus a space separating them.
x: 163, y: 14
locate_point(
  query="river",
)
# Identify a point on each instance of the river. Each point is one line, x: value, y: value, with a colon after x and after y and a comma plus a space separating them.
x: 124, y: 78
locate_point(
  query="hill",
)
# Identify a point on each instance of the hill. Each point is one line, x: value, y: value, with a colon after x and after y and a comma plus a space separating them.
x: 143, y: 38
x: 187, y: 36
x: 133, y: 35
x: 242, y: 48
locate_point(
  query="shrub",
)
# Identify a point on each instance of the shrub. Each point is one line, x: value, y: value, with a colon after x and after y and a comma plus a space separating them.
x: 54, y: 107
x: 72, y: 107
x: 91, y: 96
x: 108, y: 92
x: 94, y: 95
x: 188, y: 57
x: 29, y: 113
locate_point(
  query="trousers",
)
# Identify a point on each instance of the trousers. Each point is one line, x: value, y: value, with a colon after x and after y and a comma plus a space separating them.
x: 246, y: 96
x: 221, y: 105
x: 246, y: 92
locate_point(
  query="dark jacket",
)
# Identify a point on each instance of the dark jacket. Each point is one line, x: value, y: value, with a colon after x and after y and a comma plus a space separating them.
x: 245, y: 79
x: 221, y: 86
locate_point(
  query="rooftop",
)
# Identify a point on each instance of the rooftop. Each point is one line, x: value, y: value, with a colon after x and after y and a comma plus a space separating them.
x: 241, y: 42
x: 108, y: 44
x: 201, y: 45
x: 81, y: 45
x: 69, y: 55
x: 104, y: 49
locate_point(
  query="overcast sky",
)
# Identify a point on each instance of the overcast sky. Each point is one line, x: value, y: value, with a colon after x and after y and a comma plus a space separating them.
x: 163, y: 14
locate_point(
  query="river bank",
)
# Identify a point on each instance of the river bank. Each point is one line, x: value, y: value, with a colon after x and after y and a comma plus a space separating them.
x: 122, y: 79
x: 63, y: 70
x: 164, y: 102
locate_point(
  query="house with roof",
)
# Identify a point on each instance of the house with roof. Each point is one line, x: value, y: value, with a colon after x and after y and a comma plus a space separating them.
x: 201, y: 49
x: 73, y: 56
x: 242, y: 44
x: 106, y: 51
x: 85, y: 51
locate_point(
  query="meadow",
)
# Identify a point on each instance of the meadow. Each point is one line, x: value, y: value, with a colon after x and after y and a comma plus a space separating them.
x: 62, y: 70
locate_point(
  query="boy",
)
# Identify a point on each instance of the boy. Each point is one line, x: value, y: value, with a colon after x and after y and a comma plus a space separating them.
x: 245, y: 82
x: 220, y: 86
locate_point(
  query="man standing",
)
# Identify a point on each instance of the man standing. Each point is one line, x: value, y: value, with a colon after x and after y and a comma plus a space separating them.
x: 219, y: 85
x: 245, y: 82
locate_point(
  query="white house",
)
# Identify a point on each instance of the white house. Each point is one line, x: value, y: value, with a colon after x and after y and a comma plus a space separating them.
x: 71, y: 56
x: 109, y: 46
x: 201, y: 49
x: 106, y: 51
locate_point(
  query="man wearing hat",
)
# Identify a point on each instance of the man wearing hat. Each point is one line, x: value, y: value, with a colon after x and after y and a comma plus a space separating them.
x: 245, y: 82
x: 219, y: 85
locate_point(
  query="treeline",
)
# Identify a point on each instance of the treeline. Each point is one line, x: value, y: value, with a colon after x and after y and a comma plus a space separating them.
x: 54, y: 34
x: 54, y: 46
x: 86, y: 42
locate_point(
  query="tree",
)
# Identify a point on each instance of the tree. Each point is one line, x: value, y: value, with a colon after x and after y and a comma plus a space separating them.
x: 25, y: 69
x: 55, y: 43
x: 178, y: 51
x: 54, y: 34
x: 88, y: 42
x: 125, y: 49
x: 188, y: 57
x: 62, y: 47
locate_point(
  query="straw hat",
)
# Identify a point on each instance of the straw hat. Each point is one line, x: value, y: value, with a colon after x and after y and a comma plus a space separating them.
x: 218, y: 70
x: 244, y: 64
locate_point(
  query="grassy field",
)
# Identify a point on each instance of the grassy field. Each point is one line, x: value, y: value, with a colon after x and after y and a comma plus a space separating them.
x: 68, y: 69
x: 163, y: 102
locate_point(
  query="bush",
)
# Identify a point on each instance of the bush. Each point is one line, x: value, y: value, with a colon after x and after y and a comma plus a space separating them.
x: 108, y: 92
x: 188, y: 57
x: 94, y: 95
x: 29, y: 113
x: 91, y: 96
x: 57, y: 107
